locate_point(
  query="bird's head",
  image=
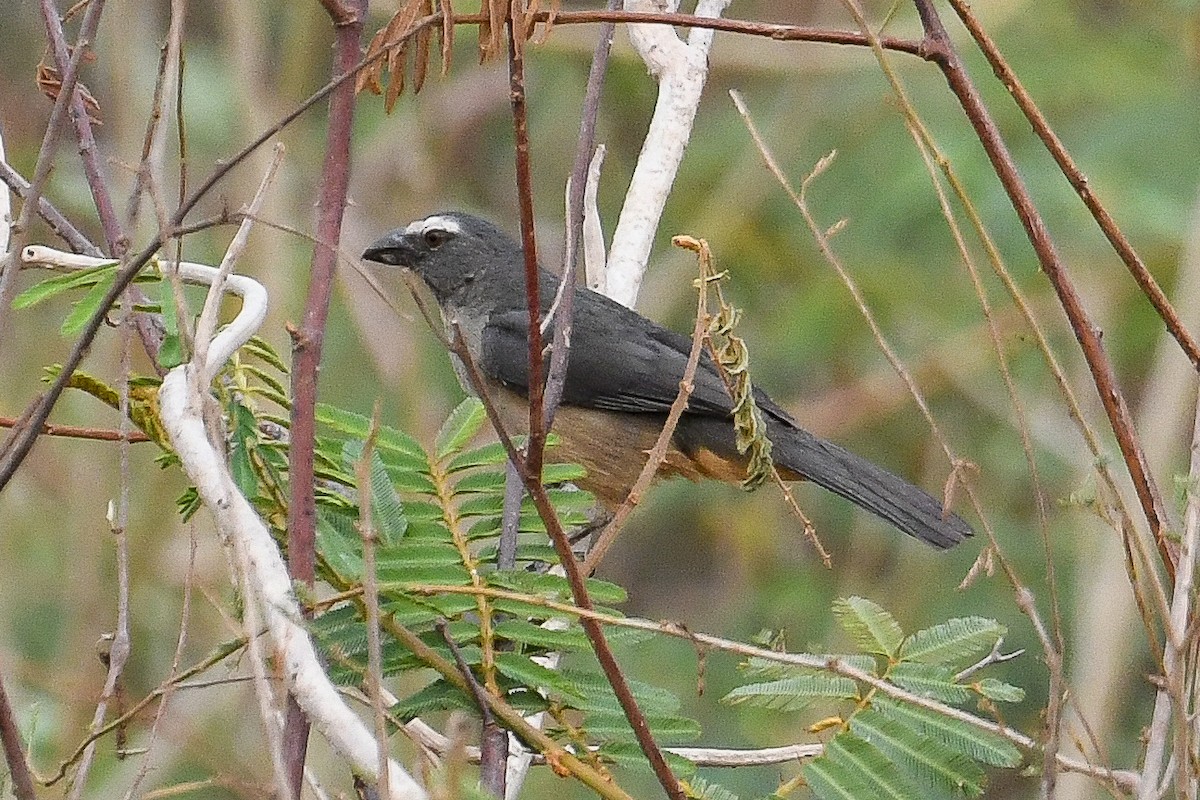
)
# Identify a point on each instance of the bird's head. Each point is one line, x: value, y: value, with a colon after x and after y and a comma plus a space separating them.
x: 455, y: 254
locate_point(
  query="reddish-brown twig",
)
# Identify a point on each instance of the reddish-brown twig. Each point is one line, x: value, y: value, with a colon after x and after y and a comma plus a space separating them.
x: 308, y: 339
x: 940, y: 50
x: 1137, y: 267
x: 575, y: 576
x: 80, y: 432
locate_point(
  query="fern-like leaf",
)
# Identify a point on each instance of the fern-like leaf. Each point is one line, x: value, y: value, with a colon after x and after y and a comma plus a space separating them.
x: 936, y: 768
x: 872, y: 628
x: 794, y: 693
x: 978, y: 744
x: 952, y: 641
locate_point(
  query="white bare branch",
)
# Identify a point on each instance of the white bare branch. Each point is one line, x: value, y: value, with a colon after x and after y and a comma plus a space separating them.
x: 681, y: 69
x: 181, y: 403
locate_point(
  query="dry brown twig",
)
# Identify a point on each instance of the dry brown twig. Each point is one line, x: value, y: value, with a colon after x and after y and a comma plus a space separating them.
x: 658, y: 453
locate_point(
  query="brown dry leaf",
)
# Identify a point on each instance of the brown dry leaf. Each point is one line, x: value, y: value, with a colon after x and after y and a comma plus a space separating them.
x: 490, y: 32
x: 447, y: 35
x: 50, y: 83
x: 369, y: 78
x: 396, y: 60
x: 421, y: 61
x: 555, y: 7
x: 393, y: 38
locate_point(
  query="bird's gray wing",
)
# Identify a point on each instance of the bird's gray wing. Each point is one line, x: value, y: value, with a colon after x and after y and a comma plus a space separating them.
x: 635, y: 371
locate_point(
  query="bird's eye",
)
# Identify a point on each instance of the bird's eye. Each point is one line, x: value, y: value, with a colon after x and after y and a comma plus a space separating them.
x: 435, y: 238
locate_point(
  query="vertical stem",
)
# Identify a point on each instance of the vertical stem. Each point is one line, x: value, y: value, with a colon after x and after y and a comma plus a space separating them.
x: 14, y: 751
x: 308, y: 340
x: 516, y: 81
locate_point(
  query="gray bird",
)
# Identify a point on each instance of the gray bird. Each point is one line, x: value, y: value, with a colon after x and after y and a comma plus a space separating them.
x: 623, y: 375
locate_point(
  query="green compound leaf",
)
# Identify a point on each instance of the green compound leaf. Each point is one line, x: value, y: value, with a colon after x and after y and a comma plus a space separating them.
x: 794, y: 693
x: 952, y: 641
x: 979, y: 744
x: 460, y: 427
x: 873, y: 629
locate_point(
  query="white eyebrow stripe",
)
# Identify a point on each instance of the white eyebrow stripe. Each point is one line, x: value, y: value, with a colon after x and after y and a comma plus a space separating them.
x: 436, y: 222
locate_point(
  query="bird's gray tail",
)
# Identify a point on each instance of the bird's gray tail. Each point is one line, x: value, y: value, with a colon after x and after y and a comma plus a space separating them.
x: 869, y: 486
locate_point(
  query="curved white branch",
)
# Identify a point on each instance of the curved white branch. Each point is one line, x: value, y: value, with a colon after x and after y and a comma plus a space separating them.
x: 225, y: 343
x: 181, y: 402
x: 681, y: 69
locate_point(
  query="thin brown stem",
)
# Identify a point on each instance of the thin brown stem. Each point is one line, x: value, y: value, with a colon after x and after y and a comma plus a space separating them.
x: 940, y: 49
x: 47, y: 211
x: 658, y: 453
x: 370, y: 596
x: 308, y: 340
x: 14, y: 750
x: 516, y: 82
x: 80, y: 432
x: 562, y: 760
x: 492, y: 763
x: 769, y: 30
x: 1079, y: 181
x: 575, y: 577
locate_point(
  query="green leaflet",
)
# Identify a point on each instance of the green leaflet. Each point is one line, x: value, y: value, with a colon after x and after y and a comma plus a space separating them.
x: 387, y: 512
x: 882, y: 778
x: 872, y: 629
x: 58, y: 284
x: 935, y: 767
x: 999, y: 690
x: 929, y: 680
x: 793, y: 693
x: 953, y: 641
x: 980, y: 745
x: 356, y: 425
x: 699, y: 789
x: 460, y: 427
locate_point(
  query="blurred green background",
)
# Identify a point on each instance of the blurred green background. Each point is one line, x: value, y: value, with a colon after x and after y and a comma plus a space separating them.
x: 1118, y: 81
